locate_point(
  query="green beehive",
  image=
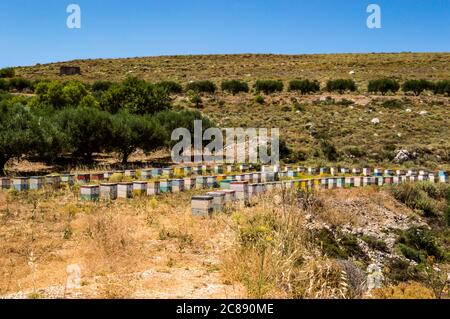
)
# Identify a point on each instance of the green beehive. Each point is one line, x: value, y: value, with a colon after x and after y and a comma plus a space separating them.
x: 89, y: 192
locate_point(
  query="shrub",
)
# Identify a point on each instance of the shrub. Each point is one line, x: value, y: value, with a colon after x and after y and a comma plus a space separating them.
x: 383, y: 86
x: 101, y: 86
x: 19, y: 132
x: 410, y: 290
x: 3, y: 85
x: 392, y: 104
x: 447, y: 215
x: 304, y: 86
x: 268, y: 86
x: 50, y: 94
x: 130, y: 132
x: 7, y: 73
x: 20, y: 84
x: 201, y: 86
x: 87, y: 130
x: 329, y: 150
x: 417, y: 86
x: 418, y: 243
x: 170, y: 86
x: 442, y: 87
x: 234, y: 86
x: 171, y: 120
x: 341, y: 85
x: 73, y: 92
x: 136, y: 96
x: 259, y: 99
x: 195, y: 99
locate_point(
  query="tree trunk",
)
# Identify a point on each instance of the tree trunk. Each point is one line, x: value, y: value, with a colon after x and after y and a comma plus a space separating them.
x: 3, y: 160
x: 87, y: 158
x: 125, y: 156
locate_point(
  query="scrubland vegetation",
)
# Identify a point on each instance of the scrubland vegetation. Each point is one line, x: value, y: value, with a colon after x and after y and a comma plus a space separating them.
x: 349, y: 110
x: 288, y: 244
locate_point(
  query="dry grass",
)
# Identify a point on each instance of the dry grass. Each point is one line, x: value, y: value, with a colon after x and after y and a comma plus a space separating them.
x: 114, y: 243
x: 275, y: 256
x: 254, y: 66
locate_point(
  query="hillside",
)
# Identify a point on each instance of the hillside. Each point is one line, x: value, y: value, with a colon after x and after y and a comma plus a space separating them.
x: 418, y: 125
x: 432, y: 66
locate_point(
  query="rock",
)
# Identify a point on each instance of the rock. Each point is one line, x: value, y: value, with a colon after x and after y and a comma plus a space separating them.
x: 375, y: 121
x: 351, y: 72
x: 423, y: 112
x: 402, y: 156
x: 408, y: 110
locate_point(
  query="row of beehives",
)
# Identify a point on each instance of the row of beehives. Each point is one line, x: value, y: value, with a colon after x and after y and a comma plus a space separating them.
x: 35, y: 182
x: 242, y: 191
x: 25, y: 183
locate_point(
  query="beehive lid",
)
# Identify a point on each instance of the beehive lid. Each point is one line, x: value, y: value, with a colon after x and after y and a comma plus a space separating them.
x: 203, y: 197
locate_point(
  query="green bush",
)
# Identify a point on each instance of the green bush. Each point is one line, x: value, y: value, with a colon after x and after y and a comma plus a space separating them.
x: 259, y: 99
x: 383, y: 86
x: 7, y: 73
x: 87, y: 131
x: 268, y: 86
x: 73, y: 92
x: 195, y: 98
x: 201, y: 86
x: 101, y: 86
x: 442, y: 87
x: 341, y: 85
x: 329, y: 150
x: 130, y: 132
x: 171, y: 120
x: 304, y: 86
x: 418, y: 243
x: 392, y: 104
x: 136, y: 96
x: 170, y: 86
x: 447, y: 214
x: 19, y: 132
x: 234, y: 86
x: 4, y: 85
x: 20, y: 84
x: 417, y: 86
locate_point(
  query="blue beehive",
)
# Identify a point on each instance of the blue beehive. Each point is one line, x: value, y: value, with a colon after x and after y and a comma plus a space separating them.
x: 36, y: 182
x: 156, y: 172
x: 165, y: 186
x: 20, y: 183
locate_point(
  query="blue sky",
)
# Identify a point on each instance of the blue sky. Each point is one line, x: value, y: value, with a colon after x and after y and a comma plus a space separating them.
x: 35, y: 31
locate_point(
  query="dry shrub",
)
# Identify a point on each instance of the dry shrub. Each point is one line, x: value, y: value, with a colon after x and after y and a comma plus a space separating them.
x: 111, y: 245
x: 274, y: 255
x: 115, y: 288
x: 404, y: 290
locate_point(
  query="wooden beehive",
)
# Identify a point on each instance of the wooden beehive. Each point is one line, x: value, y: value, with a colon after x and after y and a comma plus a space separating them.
x: 83, y: 178
x: 165, y: 186
x: 202, y: 206
x: 89, y: 192
x: 53, y: 181
x: 218, y: 200
x: 36, y: 182
x: 5, y: 183
x: 108, y: 191
x: 124, y: 190
x: 20, y: 183
x: 153, y: 188
x: 68, y: 179
x: 139, y: 188
x: 177, y: 185
x: 146, y: 174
